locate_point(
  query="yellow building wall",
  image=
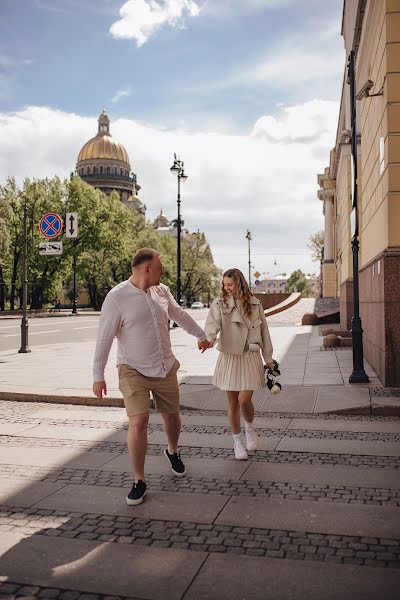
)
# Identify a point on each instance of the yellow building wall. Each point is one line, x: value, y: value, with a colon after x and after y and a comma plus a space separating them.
x: 379, y: 60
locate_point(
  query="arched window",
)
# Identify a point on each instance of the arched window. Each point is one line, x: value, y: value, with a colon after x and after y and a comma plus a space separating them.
x: 88, y: 170
x: 115, y: 170
x: 121, y: 171
x: 82, y: 171
x: 94, y: 169
x: 101, y: 168
x: 108, y: 170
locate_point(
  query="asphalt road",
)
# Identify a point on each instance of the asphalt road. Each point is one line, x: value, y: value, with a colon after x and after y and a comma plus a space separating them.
x: 56, y: 330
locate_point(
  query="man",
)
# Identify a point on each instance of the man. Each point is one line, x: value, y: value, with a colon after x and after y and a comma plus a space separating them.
x: 137, y: 312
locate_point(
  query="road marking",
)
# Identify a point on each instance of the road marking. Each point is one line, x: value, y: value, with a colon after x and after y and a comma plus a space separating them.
x: 33, y: 333
x: 47, y: 324
x: 87, y: 327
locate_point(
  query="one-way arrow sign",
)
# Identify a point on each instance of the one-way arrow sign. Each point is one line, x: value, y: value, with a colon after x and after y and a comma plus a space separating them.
x: 71, y: 225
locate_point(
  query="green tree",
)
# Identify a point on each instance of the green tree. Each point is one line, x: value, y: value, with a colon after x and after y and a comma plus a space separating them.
x: 200, y: 276
x: 297, y: 282
x: 316, y: 245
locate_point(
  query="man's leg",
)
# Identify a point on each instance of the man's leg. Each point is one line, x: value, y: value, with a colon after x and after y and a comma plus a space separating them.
x: 137, y: 443
x: 172, y: 428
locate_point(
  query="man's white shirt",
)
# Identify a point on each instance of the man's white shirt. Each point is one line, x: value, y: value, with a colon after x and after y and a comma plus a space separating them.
x: 139, y: 320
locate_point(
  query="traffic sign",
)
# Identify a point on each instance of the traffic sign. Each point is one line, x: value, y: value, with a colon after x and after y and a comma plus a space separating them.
x: 50, y: 248
x: 50, y: 225
x: 71, y: 225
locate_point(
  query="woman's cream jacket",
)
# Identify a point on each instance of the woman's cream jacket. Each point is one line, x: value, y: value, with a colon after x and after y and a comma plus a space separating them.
x: 234, y: 335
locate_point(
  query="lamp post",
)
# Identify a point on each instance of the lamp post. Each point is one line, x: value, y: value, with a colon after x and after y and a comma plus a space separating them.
x: 358, y: 375
x: 249, y: 238
x: 24, y: 322
x: 178, y: 170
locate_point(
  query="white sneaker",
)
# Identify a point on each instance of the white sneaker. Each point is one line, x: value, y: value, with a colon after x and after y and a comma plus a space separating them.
x: 240, y: 450
x: 251, y: 440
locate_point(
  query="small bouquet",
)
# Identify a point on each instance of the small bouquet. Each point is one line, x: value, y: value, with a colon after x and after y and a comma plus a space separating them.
x: 272, y: 378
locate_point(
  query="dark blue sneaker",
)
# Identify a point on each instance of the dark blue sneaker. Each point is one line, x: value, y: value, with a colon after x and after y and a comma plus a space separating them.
x: 137, y: 493
x: 177, y: 465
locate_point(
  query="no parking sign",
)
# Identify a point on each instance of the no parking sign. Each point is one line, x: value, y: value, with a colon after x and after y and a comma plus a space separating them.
x: 50, y: 225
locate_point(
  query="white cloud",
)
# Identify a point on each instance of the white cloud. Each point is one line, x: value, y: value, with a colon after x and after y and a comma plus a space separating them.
x: 223, y: 8
x: 265, y: 181
x: 309, y: 64
x: 120, y: 94
x: 140, y: 19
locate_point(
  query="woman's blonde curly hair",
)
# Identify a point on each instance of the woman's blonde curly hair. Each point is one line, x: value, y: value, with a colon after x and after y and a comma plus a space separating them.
x: 243, y: 290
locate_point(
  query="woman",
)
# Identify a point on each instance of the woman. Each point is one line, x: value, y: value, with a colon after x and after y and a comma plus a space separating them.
x: 237, y: 316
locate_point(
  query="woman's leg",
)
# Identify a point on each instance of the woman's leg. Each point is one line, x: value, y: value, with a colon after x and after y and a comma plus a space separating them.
x: 247, y: 408
x: 233, y: 411
x: 247, y: 405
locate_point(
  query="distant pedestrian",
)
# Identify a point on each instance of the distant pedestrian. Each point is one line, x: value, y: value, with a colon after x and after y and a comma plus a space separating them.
x: 238, y: 318
x: 136, y: 311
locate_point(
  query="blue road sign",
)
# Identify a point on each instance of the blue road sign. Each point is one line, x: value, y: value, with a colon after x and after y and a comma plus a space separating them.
x: 50, y: 225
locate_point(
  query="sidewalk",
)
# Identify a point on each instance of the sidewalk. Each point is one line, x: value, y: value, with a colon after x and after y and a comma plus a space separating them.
x: 313, y: 513
x: 314, y: 380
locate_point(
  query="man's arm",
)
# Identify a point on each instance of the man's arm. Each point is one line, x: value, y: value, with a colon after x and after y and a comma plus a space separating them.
x: 110, y: 320
x: 184, y: 320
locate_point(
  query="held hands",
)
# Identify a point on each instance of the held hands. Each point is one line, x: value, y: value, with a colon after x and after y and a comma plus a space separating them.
x: 100, y: 387
x: 204, y: 345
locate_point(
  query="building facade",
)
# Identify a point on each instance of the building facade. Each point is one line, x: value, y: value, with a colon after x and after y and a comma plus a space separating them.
x: 104, y: 163
x: 370, y: 28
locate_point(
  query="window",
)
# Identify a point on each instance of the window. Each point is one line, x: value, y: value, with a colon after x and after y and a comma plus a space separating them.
x: 108, y: 170
x: 101, y: 169
x: 115, y: 170
x: 88, y: 170
x: 95, y: 169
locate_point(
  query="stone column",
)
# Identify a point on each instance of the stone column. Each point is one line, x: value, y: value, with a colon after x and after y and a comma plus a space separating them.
x: 328, y: 240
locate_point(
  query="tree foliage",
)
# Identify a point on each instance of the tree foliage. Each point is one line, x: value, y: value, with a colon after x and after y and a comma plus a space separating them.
x: 297, y: 282
x: 316, y: 245
x: 108, y: 235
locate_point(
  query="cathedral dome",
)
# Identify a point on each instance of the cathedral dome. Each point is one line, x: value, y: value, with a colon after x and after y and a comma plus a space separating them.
x: 103, y: 146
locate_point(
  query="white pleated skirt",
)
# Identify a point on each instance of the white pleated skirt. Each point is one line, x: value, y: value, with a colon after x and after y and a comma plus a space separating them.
x: 237, y: 372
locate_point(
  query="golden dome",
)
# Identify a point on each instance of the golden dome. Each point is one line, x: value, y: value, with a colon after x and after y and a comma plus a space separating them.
x: 103, y: 146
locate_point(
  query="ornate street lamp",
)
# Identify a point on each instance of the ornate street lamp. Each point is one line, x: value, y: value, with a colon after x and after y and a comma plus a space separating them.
x: 249, y: 238
x: 24, y: 322
x: 358, y: 375
x: 178, y: 170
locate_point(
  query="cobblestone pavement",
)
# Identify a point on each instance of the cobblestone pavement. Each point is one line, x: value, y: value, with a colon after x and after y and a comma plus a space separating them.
x: 120, y: 527
x: 298, y: 545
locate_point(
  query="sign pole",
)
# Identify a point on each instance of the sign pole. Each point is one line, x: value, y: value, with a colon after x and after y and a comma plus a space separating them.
x: 24, y: 323
x: 74, y: 303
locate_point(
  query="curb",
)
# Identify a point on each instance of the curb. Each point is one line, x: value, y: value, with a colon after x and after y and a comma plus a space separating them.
x: 381, y: 411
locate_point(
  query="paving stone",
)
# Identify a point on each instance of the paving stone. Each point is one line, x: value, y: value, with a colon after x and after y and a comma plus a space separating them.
x: 246, y: 576
x: 318, y: 517
x: 157, y: 506
x: 45, y: 558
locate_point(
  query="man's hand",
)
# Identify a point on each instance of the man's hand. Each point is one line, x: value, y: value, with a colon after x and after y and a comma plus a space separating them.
x: 99, y: 387
x: 204, y: 345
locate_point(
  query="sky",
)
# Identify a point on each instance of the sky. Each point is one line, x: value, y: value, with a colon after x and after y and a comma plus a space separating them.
x: 246, y: 92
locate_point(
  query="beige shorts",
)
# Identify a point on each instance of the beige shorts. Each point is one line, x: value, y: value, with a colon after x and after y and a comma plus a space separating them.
x: 136, y: 389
